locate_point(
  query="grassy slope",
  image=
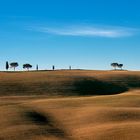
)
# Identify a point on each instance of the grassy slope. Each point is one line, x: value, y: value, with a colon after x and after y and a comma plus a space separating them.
x: 111, y: 117
x: 68, y: 82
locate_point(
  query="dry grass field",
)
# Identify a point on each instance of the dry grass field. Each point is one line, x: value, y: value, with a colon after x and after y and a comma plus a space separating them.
x: 70, y: 105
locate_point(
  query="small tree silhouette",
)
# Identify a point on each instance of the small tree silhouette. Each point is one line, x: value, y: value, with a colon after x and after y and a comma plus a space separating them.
x: 120, y: 66
x: 53, y: 67
x: 14, y: 65
x: 27, y: 66
x: 114, y: 65
x: 7, y: 65
x: 37, y: 67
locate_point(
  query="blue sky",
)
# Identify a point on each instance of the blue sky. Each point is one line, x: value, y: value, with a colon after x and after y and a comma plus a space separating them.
x: 88, y: 34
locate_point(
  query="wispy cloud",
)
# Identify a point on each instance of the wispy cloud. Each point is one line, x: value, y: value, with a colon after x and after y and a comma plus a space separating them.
x: 110, y: 32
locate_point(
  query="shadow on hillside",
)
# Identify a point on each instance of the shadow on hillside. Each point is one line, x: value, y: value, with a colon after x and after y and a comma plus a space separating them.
x: 47, y: 124
x: 95, y: 87
x: 129, y: 81
x: 73, y: 86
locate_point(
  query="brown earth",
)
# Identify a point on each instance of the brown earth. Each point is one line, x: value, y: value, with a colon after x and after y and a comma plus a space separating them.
x: 70, y: 105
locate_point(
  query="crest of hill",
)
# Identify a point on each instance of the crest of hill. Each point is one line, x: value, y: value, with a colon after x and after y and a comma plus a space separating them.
x: 68, y: 82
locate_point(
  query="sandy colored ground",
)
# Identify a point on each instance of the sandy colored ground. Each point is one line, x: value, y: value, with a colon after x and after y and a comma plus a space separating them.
x: 43, y: 117
x: 67, y: 82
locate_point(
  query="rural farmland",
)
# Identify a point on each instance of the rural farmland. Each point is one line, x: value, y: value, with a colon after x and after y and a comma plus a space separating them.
x: 51, y: 105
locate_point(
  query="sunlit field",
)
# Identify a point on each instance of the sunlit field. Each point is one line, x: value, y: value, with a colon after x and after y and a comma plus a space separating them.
x: 70, y: 105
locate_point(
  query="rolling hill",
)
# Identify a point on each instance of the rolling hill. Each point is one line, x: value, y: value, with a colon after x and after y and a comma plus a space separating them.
x: 70, y: 105
x: 65, y: 83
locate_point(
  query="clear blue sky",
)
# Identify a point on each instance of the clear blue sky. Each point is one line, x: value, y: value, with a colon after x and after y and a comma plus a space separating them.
x: 87, y: 34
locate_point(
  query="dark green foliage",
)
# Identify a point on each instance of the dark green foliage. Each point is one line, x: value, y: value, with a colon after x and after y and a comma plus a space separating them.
x: 120, y: 66
x: 27, y: 66
x: 14, y: 65
x: 7, y: 65
x: 114, y: 65
x: 37, y: 67
x: 53, y: 67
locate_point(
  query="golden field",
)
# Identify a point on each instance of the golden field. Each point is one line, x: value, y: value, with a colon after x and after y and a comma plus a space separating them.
x: 70, y: 105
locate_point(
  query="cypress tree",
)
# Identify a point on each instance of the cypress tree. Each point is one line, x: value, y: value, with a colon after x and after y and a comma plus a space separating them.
x: 7, y: 65
x: 37, y: 67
